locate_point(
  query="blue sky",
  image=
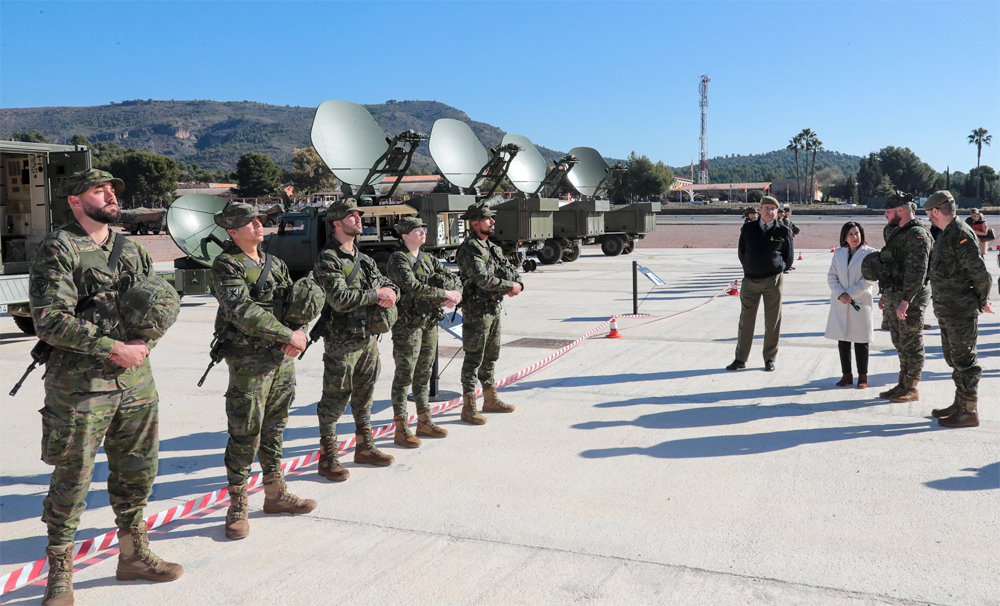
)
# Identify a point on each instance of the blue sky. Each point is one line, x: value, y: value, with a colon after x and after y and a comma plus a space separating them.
x: 618, y: 76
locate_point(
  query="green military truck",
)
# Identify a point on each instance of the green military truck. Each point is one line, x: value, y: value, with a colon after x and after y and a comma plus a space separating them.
x: 143, y: 221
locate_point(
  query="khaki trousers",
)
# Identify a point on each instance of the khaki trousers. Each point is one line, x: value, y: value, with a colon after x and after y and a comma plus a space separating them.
x: 755, y: 289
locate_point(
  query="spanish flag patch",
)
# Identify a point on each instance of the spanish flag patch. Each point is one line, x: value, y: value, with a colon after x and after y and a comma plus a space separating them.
x: 963, y: 240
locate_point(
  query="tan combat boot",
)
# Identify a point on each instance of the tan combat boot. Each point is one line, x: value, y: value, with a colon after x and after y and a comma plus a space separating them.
x: 136, y: 561
x: 892, y: 391
x: 366, y: 453
x: 955, y: 408
x: 469, y: 413
x: 237, y: 518
x: 426, y: 427
x: 492, y: 402
x: 968, y: 416
x: 329, y: 465
x: 909, y: 392
x: 59, y: 588
x: 404, y: 437
x: 277, y: 499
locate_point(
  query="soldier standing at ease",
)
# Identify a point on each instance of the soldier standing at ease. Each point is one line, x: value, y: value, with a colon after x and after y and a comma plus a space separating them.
x: 487, y: 276
x: 354, y: 287
x: 98, y: 383
x: 425, y: 288
x: 261, y: 365
x: 961, y: 285
x: 904, y: 291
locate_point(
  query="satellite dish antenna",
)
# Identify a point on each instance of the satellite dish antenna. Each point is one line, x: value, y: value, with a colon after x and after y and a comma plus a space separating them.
x: 464, y: 161
x: 590, y: 173
x: 528, y: 168
x: 356, y: 149
x: 191, y: 221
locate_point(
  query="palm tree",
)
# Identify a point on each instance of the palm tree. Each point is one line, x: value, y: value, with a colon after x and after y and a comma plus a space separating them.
x: 811, y: 142
x: 979, y: 136
x: 795, y: 144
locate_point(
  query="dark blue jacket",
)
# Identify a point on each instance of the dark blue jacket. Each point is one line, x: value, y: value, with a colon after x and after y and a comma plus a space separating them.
x: 765, y: 254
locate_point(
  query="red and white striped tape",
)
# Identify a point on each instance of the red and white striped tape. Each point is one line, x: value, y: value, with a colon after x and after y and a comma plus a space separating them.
x: 84, y: 550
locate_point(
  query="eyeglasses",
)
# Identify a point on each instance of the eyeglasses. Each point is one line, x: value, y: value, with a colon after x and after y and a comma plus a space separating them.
x: 422, y: 230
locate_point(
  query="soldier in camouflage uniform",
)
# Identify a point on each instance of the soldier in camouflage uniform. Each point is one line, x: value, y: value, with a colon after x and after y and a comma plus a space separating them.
x: 350, y: 361
x: 905, y: 294
x: 261, y: 365
x: 487, y: 276
x: 425, y: 288
x: 98, y: 383
x: 961, y: 285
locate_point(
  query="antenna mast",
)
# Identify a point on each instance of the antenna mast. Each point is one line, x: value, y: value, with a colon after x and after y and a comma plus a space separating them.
x: 703, y: 163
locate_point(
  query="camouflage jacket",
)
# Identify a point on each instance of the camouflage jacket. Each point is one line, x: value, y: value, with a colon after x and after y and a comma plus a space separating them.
x: 486, y: 275
x: 959, y: 278
x: 422, y: 282
x: 234, y: 274
x: 350, y: 303
x: 69, y: 266
x: 904, y: 261
x: 795, y: 228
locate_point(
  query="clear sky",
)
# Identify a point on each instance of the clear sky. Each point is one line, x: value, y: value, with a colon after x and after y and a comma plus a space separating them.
x: 617, y: 76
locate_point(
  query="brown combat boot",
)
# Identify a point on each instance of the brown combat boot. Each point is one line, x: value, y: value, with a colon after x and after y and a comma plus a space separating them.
x: 968, y: 416
x: 329, y: 465
x: 492, y: 402
x: 909, y: 392
x: 862, y: 381
x: 237, y: 518
x: 469, y: 413
x: 59, y: 588
x: 366, y: 453
x: 426, y: 427
x: 277, y: 499
x: 892, y: 391
x: 848, y: 379
x: 136, y: 561
x: 956, y: 407
x: 404, y: 437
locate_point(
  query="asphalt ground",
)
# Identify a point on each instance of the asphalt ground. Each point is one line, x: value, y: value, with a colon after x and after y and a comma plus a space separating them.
x: 634, y: 470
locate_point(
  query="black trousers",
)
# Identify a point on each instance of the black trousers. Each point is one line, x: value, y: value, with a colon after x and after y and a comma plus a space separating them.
x: 860, y: 350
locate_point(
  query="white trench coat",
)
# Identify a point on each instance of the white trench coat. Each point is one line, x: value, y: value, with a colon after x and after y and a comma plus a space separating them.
x: 844, y: 323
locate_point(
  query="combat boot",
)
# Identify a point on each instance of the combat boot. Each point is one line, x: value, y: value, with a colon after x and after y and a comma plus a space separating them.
x: 366, y: 453
x: 136, y: 561
x: 956, y: 407
x: 237, y: 518
x: 59, y: 588
x: 277, y: 499
x: 469, y: 413
x: 492, y: 402
x: 968, y: 416
x: 909, y: 392
x: 426, y: 427
x: 329, y: 465
x: 404, y: 437
x: 892, y: 391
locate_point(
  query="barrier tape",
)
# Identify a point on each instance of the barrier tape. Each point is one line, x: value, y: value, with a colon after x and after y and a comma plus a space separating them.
x: 86, y: 549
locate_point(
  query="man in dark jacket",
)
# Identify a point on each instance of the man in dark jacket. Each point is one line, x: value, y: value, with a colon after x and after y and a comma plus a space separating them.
x: 765, y: 250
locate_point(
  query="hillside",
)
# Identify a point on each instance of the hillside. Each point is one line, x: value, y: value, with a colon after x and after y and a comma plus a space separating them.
x: 755, y: 167
x: 214, y: 134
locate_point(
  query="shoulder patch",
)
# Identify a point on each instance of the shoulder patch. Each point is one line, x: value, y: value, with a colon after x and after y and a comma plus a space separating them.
x: 963, y: 240
x: 39, y: 286
x: 233, y: 293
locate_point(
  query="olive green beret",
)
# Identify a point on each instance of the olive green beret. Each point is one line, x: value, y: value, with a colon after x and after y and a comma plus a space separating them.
x: 768, y: 200
x: 80, y: 182
x: 938, y: 198
x: 237, y: 214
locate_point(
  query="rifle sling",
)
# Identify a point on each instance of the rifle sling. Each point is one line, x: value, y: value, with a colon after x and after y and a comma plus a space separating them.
x: 259, y: 284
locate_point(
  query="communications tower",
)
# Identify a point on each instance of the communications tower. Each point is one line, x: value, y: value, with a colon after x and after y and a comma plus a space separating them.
x: 703, y: 163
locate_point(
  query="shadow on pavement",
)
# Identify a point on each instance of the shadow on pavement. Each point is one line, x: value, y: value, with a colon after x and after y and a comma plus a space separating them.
x: 985, y: 478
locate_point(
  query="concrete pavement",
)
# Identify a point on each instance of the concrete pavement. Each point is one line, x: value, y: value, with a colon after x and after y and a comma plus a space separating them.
x: 633, y: 471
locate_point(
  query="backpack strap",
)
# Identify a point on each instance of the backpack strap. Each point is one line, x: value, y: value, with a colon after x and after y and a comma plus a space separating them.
x: 259, y: 284
x: 116, y: 253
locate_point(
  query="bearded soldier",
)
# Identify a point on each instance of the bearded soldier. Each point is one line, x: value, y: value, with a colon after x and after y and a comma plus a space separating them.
x: 961, y: 285
x: 360, y: 306
x: 247, y: 283
x: 487, y: 276
x: 98, y: 383
x: 425, y: 288
x: 904, y: 289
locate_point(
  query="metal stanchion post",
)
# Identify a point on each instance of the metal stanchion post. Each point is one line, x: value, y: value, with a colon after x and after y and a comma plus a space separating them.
x: 635, y: 287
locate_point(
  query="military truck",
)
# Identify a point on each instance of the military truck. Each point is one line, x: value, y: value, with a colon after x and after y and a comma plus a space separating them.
x: 31, y: 174
x: 143, y: 221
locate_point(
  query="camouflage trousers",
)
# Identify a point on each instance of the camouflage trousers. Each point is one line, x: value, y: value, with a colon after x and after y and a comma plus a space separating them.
x: 73, y: 427
x: 958, y: 342
x: 413, y: 350
x: 481, y: 342
x: 907, y: 335
x: 349, y: 375
x: 261, y: 390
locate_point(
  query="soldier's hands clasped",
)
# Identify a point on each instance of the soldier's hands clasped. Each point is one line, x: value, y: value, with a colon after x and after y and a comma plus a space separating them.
x: 129, y: 353
x: 516, y: 290
x: 451, y: 298
x: 297, y: 345
x: 386, y: 297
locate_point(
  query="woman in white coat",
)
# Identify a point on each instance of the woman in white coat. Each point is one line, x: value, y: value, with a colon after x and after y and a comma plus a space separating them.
x: 850, y: 318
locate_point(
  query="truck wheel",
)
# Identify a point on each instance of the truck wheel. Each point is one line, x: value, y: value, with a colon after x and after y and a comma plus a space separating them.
x: 381, y: 259
x: 25, y: 324
x: 551, y: 252
x: 612, y: 245
x: 133, y: 230
x: 629, y: 245
x: 529, y: 265
x: 571, y: 254
x: 156, y: 232
x: 269, y: 222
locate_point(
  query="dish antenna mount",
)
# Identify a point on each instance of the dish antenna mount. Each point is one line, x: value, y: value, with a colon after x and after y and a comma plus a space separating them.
x: 529, y: 172
x: 592, y: 176
x: 464, y: 161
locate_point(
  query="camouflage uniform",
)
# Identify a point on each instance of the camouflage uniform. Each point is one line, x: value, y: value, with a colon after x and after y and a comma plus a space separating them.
x: 261, y: 377
x: 89, y: 399
x: 904, y: 278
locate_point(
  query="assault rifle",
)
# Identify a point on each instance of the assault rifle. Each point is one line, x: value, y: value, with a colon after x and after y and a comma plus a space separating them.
x: 39, y: 355
x: 324, y: 317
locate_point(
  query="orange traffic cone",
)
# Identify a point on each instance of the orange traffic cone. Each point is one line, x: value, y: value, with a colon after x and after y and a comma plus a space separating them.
x: 800, y: 256
x: 733, y: 288
x: 833, y: 249
x: 614, y: 334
